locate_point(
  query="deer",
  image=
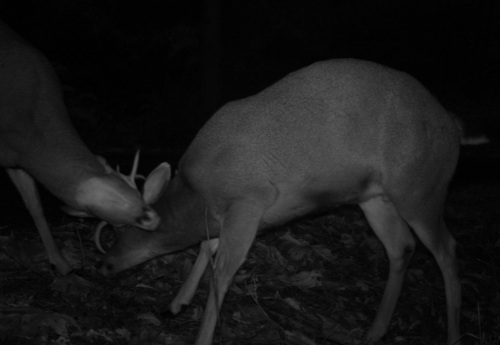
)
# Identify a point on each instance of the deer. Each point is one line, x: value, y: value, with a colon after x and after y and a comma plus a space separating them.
x: 38, y: 143
x: 341, y: 131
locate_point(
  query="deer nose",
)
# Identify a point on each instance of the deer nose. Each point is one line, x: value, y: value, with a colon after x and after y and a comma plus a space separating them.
x: 149, y: 220
x: 106, y: 269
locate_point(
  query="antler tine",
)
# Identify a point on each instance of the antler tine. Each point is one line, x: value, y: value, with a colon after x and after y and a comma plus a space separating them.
x: 133, y: 172
x: 97, y: 236
x: 130, y: 179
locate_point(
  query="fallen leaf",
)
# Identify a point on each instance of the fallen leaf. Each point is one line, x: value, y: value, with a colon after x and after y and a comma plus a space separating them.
x: 72, y: 284
x: 297, y: 338
x: 307, y: 279
x: 293, y: 303
x: 324, y: 252
x: 289, y: 237
x: 149, y: 318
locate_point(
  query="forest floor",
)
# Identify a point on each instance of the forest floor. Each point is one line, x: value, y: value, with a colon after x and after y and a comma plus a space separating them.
x: 315, y: 281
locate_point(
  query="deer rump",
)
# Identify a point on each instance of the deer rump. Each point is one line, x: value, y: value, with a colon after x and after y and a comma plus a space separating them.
x: 339, y: 131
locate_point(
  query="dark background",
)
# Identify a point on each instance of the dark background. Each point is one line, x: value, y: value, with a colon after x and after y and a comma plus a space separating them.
x: 149, y: 73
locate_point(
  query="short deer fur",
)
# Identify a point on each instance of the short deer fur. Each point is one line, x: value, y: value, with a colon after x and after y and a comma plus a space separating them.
x: 339, y: 131
x: 38, y: 142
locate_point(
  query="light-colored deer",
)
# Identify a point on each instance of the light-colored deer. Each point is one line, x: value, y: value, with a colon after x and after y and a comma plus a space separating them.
x: 340, y: 131
x: 38, y: 142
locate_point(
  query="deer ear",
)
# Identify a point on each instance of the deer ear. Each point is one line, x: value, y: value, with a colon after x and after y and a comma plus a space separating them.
x: 156, y: 182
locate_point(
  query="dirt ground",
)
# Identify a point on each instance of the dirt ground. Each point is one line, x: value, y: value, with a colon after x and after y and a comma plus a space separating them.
x: 316, y: 281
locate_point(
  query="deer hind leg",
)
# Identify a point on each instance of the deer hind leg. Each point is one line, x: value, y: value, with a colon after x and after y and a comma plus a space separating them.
x: 423, y: 211
x: 27, y: 188
x: 399, y: 243
x: 434, y: 234
x: 236, y: 237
